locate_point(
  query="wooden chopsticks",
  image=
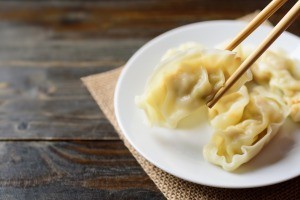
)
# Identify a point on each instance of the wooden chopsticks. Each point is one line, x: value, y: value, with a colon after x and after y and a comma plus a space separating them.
x: 284, y: 23
x: 256, y: 22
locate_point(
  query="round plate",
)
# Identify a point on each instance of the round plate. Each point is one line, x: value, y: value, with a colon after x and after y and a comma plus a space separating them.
x: 179, y: 151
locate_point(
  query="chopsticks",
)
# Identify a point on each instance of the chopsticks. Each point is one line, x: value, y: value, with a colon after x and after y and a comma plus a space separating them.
x: 269, y: 10
x: 284, y: 23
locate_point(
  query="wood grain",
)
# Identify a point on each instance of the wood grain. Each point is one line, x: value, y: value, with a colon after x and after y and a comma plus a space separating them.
x: 76, y: 170
x: 41, y: 95
x: 126, y: 18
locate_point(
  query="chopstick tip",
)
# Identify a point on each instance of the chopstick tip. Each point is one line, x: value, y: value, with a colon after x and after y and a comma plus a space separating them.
x: 210, y: 104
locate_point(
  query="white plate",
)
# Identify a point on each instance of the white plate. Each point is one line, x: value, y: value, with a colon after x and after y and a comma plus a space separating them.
x: 179, y: 152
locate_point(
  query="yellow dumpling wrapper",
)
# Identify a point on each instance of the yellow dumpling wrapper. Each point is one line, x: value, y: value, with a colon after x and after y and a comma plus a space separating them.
x: 260, y: 115
x: 184, y: 80
x: 280, y: 73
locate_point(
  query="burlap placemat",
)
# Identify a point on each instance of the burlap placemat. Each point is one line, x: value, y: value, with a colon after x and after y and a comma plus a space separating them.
x: 102, y: 87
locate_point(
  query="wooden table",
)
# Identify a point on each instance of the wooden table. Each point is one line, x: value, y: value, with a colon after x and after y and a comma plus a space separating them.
x: 54, y: 141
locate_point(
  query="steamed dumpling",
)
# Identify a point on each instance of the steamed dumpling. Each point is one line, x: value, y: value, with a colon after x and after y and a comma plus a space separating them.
x: 279, y: 72
x: 182, y: 83
x: 245, y: 119
x: 286, y: 79
x: 228, y: 112
x: 235, y: 142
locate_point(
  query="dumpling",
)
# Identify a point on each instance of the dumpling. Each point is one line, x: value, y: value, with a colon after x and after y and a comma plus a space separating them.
x: 183, y: 82
x: 294, y: 103
x: 273, y: 65
x: 287, y: 80
x: 227, y: 111
x: 180, y: 49
x: 259, y: 120
x: 279, y: 72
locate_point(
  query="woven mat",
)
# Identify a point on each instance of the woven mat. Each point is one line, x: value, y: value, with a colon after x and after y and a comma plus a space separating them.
x: 102, y: 87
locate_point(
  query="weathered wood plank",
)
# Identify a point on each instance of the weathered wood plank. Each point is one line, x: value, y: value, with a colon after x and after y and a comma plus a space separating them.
x: 49, y: 103
x: 77, y: 170
x: 123, y: 19
x: 41, y: 94
x: 20, y: 48
x: 57, y: 191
